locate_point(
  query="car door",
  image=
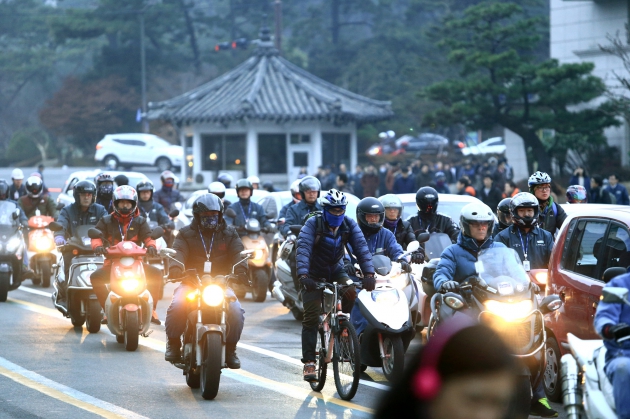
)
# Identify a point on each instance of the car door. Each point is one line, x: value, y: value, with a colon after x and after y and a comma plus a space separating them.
x: 581, y: 267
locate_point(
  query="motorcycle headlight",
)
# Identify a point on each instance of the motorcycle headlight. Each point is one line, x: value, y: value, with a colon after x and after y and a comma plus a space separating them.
x: 44, y: 243
x: 212, y: 295
x: 13, y: 244
x: 453, y: 302
x: 509, y: 311
x: 259, y: 254
x: 389, y: 297
x: 129, y: 284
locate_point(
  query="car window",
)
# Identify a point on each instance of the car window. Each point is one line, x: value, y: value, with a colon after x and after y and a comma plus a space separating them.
x: 130, y: 142
x: 615, y: 248
x: 586, y: 256
x: 269, y: 204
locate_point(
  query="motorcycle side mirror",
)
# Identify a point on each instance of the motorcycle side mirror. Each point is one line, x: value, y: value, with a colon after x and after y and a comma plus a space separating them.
x: 295, y: 229
x: 423, y: 237
x: 230, y: 213
x: 174, y: 213
x: 166, y: 251
x: 247, y: 253
x: 60, y: 205
x: 157, y: 233
x: 55, y: 226
x: 94, y: 233
x: 550, y: 304
x: 615, y: 295
x: 413, y: 246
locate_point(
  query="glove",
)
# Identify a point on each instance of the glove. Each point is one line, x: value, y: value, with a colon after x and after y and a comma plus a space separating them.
x: 60, y: 241
x: 404, y: 266
x: 100, y: 251
x: 152, y: 251
x: 349, y: 268
x: 418, y: 256
x: 308, y: 283
x: 450, y: 286
x: 369, y: 282
x: 616, y: 331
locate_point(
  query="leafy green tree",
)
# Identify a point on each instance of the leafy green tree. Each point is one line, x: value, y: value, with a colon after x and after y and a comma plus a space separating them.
x: 502, y: 83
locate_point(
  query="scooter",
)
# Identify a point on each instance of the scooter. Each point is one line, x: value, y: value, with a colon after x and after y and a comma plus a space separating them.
x: 41, y: 248
x: 586, y: 390
x: 129, y: 304
x: 285, y: 288
x: 204, y: 337
x: 11, y: 248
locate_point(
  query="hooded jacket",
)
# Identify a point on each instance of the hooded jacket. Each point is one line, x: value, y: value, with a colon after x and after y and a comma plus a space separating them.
x: 457, y: 262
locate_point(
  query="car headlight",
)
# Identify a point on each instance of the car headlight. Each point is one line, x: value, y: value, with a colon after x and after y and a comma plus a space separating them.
x: 212, y: 295
x: 509, y: 311
x: 13, y: 244
x: 389, y: 297
x: 44, y: 243
x: 129, y: 284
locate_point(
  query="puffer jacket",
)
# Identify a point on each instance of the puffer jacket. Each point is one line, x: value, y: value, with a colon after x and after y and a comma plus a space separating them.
x: 403, y: 233
x: 295, y: 215
x: 384, y: 243
x: 457, y: 262
x: 71, y: 217
x: 612, y: 314
x: 225, y: 252
x: 539, y: 244
x: 243, y: 211
x: 438, y: 223
x: 323, y: 260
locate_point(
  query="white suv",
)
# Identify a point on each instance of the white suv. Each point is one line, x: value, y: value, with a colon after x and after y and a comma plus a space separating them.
x: 127, y: 150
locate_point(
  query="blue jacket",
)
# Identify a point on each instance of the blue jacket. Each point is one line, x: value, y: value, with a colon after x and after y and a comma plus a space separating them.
x: 283, y: 210
x: 404, y: 185
x: 295, y: 215
x: 457, y: 262
x: 620, y: 192
x: 153, y: 211
x: 244, y: 213
x: 71, y: 217
x: 539, y: 244
x: 323, y: 260
x: 609, y: 313
x: 167, y: 196
x: 382, y: 243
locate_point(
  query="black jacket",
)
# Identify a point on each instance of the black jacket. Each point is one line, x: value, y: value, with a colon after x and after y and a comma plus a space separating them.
x: 403, y: 233
x: 492, y: 198
x: 226, y: 249
x: 539, y: 243
x: 551, y: 220
x: 438, y: 223
x: 153, y: 211
x: 71, y: 217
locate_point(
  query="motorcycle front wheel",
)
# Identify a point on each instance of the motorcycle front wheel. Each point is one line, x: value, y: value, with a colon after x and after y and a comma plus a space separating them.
x: 131, y: 330
x: 260, y: 285
x: 93, y: 318
x: 211, y: 365
x: 45, y: 274
x: 5, y: 279
x: 394, y: 360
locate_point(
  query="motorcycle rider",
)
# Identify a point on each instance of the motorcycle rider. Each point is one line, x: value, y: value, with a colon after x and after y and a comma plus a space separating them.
x: 218, y: 189
x: 104, y: 191
x: 167, y: 195
x: 84, y: 211
x: 309, y: 191
x: 125, y: 223
x: 457, y: 262
x: 17, y: 188
x: 35, y: 199
x: 551, y: 215
x: 255, y: 181
x: 534, y: 250
x: 208, y: 239
x: 245, y: 208
x: 5, y: 195
x: 428, y: 219
x: 612, y: 322
x: 503, y: 215
x: 393, y: 222
x: 225, y: 179
x: 320, y: 248
x: 154, y: 211
x: 295, y: 192
x: 576, y: 194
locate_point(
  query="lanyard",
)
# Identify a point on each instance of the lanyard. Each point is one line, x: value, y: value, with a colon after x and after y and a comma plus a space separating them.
x: 122, y: 236
x: 523, y: 244
x: 204, y: 245
x: 249, y: 210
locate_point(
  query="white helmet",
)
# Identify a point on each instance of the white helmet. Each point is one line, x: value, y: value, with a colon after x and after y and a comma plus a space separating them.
x: 295, y: 187
x: 17, y: 174
x: 254, y: 179
x: 476, y: 211
x: 217, y: 188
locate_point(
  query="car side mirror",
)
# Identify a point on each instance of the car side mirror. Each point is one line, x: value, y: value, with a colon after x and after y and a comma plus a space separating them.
x: 413, y: 246
x: 614, y: 295
x: 230, y: 213
x: 174, y: 213
x: 157, y: 233
x: 55, y: 226
x: 423, y: 237
x: 94, y: 233
x: 550, y: 304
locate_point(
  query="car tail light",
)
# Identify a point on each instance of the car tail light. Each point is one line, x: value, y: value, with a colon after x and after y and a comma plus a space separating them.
x: 98, y: 146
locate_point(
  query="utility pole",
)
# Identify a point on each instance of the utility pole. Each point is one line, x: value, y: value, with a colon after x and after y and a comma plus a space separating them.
x: 143, y: 75
x: 278, y: 18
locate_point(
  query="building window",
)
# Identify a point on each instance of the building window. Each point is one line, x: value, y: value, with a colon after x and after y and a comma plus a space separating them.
x: 336, y: 148
x: 300, y: 139
x: 272, y: 153
x: 300, y: 159
x: 223, y: 152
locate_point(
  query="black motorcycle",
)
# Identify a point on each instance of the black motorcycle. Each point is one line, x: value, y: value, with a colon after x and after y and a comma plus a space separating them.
x: 11, y: 248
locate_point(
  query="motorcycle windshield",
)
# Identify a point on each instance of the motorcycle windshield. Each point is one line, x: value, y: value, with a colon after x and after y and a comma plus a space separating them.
x: 436, y: 244
x: 502, y: 271
x: 7, y: 224
x: 81, y: 235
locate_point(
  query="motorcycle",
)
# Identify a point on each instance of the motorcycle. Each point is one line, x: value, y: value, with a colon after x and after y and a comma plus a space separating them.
x: 501, y: 296
x: 41, y: 248
x: 129, y: 304
x: 259, y: 269
x: 586, y: 390
x: 82, y: 305
x: 285, y: 288
x: 11, y: 248
x: 204, y: 337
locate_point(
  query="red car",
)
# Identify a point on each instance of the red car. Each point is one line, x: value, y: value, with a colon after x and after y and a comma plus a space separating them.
x: 592, y: 247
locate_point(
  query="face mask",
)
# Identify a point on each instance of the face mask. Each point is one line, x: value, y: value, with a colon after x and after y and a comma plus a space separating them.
x: 106, y: 189
x: 209, y: 222
x: 333, y: 220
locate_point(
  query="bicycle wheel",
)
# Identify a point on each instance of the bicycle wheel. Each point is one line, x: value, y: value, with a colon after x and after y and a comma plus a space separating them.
x: 321, y: 365
x: 346, y: 360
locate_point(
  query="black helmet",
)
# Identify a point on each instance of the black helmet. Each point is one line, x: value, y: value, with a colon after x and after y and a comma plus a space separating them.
x: 244, y: 183
x: 309, y: 183
x: 427, y: 200
x: 4, y: 190
x: 370, y: 205
x: 34, y: 186
x: 503, y: 212
x: 85, y: 186
x: 207, y: 202
x: 145, y: 185
x: 524, y: 200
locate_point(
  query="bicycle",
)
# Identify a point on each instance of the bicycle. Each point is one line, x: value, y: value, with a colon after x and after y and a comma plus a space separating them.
x: 337, y: 343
